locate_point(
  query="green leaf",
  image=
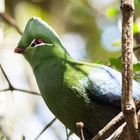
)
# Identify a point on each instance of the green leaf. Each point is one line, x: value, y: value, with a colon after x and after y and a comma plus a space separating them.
x: 111, y: 12
x: 137, y: 2
x: 99, y: 62
x: 115, y: 62
x: 136, y: 67
x: 136, y: 28
x: 116, y: 43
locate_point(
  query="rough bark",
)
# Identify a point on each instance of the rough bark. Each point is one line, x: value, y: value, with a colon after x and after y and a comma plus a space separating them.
x: 128, y: 106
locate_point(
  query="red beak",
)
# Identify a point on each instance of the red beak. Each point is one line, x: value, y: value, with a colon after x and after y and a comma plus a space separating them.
x: 19, y: 50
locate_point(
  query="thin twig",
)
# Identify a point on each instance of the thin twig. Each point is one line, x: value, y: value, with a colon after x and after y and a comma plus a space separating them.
x: 27, y: 91
x: 80, y: 126
x: 12, y: 88
x: 119, y: 133
x: 11, y: 21
x: 9, y: 83
x: 21, y: 90
x: 46, y: 127
x: 122, y: 132
x: 110, y: 127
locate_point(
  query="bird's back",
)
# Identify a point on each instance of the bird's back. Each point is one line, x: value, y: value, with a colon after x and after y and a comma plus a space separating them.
x: 102, y: 86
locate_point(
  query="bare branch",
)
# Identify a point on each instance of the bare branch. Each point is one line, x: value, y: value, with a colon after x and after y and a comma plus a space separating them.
x: 45, y: 128
x: 128, y: 106
x: 110, y: 127
x: 12, y: 88
x: 10, y: 21
x: 116, y: 122
x: 120, y: 133
x: 9, y: 83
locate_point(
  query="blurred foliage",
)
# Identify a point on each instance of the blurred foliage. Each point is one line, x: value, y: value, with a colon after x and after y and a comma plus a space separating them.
x: 112, y: 11
x: 116, y: 63
x: 71, y: 16
x: 136, y: 28
x: 116, y: 43
x: 136, y: 67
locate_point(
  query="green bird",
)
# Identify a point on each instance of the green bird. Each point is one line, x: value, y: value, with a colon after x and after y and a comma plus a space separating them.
x: 74, y: 91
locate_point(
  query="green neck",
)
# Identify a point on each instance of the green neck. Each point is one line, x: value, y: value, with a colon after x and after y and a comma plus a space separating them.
x: 41, y: 54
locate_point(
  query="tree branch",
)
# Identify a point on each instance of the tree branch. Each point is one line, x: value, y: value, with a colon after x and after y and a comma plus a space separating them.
x: 45, y: 128
x: 122, y: 132
x: 11, y: 21
x: 114, y: 124
x: 11, y: 87
x: 110, y: 127
x: 128, y: 106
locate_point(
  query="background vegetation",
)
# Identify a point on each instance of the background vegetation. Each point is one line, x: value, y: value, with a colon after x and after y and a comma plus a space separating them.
x: 90, y: 30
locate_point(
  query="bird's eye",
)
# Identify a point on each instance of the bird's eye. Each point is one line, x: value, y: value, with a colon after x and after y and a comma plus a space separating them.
x: 36, y: 42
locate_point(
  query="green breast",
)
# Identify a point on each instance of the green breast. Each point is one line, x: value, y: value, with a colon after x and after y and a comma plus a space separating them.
x: 68, y: 100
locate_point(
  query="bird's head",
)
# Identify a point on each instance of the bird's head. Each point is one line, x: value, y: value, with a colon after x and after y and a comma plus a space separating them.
x: 39, y: 33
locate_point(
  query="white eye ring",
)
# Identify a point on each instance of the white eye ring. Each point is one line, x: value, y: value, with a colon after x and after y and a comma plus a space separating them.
x: 43, y: 44
x: 39, y: 42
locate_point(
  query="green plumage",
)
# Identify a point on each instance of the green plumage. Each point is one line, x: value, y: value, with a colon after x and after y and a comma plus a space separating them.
x: 73, y: 91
